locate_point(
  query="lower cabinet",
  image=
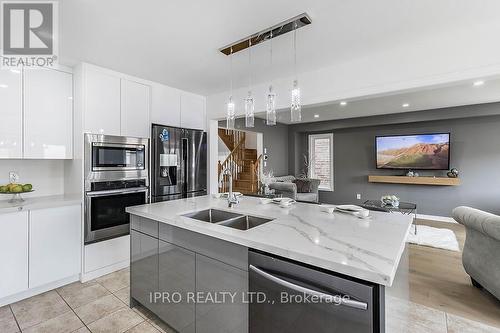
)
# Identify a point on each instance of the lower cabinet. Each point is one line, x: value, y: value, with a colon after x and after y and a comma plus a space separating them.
x: 201, y: 279
x: 54, y: 244
x: 226, y: 286
x: 143, y: 266
x: 177, y: 272
x: 13, y: 253
x: 39, y: 249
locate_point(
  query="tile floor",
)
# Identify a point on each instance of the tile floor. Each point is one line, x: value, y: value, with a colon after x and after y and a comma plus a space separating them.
x: 101, y: 306
x: 98, y: 306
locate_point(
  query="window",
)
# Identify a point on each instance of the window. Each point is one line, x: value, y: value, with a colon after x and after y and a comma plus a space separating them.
x: 321, y: 159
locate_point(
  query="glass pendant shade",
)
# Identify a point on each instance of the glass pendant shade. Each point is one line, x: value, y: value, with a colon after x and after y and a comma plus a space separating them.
x: 296, y: 107
x: 271, y: 107
x: 249, y: 110
x: 230, y: 113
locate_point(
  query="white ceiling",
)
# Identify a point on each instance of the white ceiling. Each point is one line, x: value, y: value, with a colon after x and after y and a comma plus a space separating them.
x: 459, y: 94
x: 177, y: 42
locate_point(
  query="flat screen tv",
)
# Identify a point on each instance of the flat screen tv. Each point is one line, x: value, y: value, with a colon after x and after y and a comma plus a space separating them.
x: 416, y: 152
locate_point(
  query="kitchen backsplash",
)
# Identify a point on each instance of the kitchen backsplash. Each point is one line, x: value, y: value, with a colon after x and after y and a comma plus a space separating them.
x: 47, y: 176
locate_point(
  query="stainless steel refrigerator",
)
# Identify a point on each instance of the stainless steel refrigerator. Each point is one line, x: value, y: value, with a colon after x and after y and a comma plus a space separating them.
x: 178, y: 163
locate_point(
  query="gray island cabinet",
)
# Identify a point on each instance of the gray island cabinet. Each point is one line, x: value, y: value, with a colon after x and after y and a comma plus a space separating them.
x: 192, y: 273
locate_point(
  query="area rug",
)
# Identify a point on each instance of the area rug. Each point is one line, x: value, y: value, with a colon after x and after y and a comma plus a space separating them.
x: 434, y: 237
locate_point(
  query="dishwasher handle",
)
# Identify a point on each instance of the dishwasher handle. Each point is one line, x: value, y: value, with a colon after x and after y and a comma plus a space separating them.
x: 346, y: 302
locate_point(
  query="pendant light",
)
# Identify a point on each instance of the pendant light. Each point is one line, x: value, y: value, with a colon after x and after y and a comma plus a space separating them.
x: 271, y: 96
x: 230, y: 116
x: 295, y: 107
x: 249, y: 101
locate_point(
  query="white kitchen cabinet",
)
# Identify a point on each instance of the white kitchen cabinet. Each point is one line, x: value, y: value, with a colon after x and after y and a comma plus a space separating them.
x: 135, y: 109
x: 102, y: 103
x: 165, y: 105
x: 13, y: 253
x: 54, y: 244
x: 48, y: 114
x: 11, y: 130
x: 193, y: 111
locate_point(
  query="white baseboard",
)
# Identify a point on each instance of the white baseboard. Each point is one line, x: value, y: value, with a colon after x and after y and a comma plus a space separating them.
x: 436, y: 218
x: 38, y: 290
x: 105, y: 270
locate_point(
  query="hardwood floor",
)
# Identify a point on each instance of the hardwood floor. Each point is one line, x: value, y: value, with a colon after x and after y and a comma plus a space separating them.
x: 438, y: 280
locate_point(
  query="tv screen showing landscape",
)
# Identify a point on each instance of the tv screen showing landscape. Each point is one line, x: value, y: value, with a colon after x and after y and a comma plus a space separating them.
x: 420, y: 152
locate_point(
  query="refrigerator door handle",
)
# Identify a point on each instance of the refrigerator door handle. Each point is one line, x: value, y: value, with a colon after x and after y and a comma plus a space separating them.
x: 184, y: 162
x: 337, y: 299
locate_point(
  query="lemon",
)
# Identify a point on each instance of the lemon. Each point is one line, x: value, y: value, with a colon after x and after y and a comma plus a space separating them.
x: 17, y: 189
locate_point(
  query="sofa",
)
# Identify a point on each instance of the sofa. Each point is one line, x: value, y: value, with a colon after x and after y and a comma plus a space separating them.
x: 481, y: 253
x: 307, y: 189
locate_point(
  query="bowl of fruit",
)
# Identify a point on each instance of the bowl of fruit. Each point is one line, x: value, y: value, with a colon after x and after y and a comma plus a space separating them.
x: 16, y: 190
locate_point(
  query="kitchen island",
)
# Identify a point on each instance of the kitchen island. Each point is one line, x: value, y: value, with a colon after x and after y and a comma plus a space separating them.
x: 172, y: 252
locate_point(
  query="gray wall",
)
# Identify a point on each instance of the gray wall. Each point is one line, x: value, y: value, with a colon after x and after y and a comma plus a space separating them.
x: 475, y: 152
x: 275, y: 139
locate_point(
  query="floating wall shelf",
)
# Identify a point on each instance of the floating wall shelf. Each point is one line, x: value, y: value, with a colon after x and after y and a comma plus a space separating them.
x: 440, y: 181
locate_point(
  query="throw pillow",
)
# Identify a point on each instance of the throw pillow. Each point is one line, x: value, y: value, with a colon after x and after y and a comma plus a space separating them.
x: 303, y: 185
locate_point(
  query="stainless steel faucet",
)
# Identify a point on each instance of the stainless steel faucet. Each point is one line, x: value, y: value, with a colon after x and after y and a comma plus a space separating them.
x: 231, y: 198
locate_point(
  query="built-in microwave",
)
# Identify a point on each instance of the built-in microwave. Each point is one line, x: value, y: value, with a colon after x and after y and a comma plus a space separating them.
x: 110, y: 158
x: 118, y: 156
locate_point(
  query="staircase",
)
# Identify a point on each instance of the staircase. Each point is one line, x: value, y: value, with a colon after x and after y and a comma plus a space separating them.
x: 242, y: 162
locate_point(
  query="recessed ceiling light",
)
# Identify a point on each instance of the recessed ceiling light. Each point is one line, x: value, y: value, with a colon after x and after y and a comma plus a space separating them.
x: 405, y: 105
x: 3, y: 86
x: 316, y: 116
x: 478, y: 83
x: 343, y: 103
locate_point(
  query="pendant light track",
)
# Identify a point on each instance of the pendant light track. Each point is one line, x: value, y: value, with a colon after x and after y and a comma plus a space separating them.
x: 277, y: 30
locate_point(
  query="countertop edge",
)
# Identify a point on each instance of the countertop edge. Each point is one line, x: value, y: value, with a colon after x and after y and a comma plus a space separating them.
x: 34, y: 203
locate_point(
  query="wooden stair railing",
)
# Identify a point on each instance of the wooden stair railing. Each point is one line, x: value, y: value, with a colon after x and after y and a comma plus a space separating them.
x: 235, y: 160
x: 255, y: 174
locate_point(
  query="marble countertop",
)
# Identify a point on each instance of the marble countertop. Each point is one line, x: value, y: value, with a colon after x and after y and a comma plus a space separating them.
x: 40, y: 202
x: 368, y: 249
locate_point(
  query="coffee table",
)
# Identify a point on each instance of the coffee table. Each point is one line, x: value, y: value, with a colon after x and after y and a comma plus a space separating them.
x: 406, y: 208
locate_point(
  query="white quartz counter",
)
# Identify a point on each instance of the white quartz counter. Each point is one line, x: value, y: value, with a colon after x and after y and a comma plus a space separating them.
x: 40, y: 202
x: 368, y: 249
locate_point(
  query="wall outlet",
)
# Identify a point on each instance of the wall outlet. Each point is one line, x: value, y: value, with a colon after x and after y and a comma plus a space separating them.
x: 13, y: 177
x: 358, y: 196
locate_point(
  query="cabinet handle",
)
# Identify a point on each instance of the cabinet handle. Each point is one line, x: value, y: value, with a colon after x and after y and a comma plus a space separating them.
x: 347, y: 302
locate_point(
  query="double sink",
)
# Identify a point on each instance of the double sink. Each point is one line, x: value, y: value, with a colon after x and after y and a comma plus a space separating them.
x: 227, y: 219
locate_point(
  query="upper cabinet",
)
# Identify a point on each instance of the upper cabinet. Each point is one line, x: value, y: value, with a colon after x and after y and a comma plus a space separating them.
x: 43, y: 124
x: 114, y: 103
x: 165, y: 105
x: 48, y: 114
x: 135, y: 109
x: 102, y: 102
x: 193, y: 111
x: 11, y: 132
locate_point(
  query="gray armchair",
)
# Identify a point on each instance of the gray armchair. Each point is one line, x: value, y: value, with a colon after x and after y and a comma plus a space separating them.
x: 481, y: 254
x: 286, y: 187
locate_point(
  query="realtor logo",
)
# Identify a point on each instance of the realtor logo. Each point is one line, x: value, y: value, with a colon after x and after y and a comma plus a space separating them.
x: 29, y: 33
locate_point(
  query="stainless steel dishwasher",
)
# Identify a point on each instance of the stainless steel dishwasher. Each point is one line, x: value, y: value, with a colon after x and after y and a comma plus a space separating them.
x: 288, y: 297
